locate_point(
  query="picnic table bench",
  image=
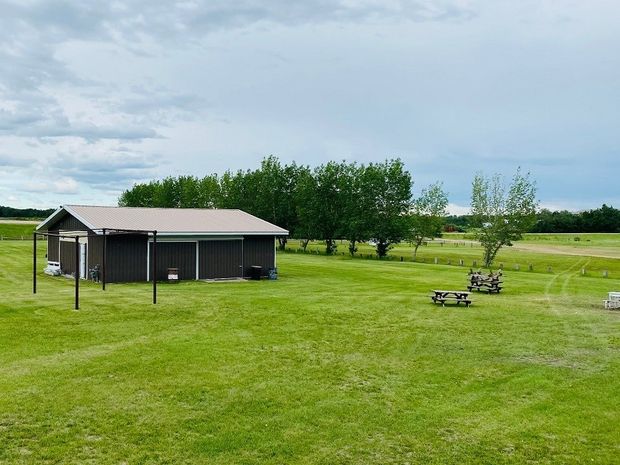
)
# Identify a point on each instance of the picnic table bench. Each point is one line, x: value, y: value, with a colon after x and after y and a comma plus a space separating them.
x: 487, y: 283
x: 458, y: 297
x: 487, y: 286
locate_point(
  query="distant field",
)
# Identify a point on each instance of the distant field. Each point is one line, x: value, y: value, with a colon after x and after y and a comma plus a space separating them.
x: 15, y: 229
x: 595, y: 253
x: 338, y: 362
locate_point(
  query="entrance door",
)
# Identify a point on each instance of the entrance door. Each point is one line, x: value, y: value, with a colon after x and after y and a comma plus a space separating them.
x: 221, y: 259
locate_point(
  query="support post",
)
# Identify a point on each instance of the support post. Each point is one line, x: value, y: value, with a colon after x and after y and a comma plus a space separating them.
x: 77, y: 272
x: 34, y: 263
x: 103, y: 262
x: 154, y: 267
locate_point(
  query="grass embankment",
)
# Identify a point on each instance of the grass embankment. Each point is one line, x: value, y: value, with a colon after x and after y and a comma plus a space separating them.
x: 339, y: 361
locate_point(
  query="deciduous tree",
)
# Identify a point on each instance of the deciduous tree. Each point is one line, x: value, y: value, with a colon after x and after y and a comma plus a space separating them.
x: 502, y: 214
x: 427, y: 213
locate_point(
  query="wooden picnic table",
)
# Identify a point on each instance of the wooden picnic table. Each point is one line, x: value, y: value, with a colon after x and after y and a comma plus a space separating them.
x: 487, y: 286
x: 458, y: 297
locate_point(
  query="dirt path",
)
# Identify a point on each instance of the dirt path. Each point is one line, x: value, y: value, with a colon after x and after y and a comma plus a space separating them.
x: 18, y: 222
x: 600, y: 252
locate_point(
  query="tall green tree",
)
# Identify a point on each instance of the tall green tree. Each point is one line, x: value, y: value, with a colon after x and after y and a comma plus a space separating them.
x: 354, y: 221
x: 388, y: 187
x: 427, y: 215
x: 321, y: 202
x: 275, y: 186
x: 502, y: 213
x: 140, y: 195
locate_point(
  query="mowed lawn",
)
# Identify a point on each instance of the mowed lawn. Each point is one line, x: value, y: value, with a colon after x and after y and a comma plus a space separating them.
x: 337, y: 362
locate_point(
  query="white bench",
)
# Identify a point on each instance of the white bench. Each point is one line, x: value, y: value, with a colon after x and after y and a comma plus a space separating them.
x: 613, y: 300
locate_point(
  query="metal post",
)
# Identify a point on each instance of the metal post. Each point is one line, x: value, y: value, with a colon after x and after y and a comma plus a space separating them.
x: 154, y: 267
x: 34, y: 263
x: 103, y: 260
x: 77, y: 272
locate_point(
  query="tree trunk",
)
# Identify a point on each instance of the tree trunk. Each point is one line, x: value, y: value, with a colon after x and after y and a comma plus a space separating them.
x: 282, y: 243
x: 352, y: 247
x: 382, y: 248
x: 330, y: 246
x: 415, y: 251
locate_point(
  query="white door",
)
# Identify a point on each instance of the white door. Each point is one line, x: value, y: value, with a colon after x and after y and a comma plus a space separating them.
x: 83, y: 262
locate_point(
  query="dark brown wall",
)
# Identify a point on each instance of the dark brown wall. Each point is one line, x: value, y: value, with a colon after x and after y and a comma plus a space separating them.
x: 52, y: 247
x: 95, y: 252
x: 258, y: 250
x: 220, y: 259
x: 126, y: 258
x: 67, y: 257
x: 181, y: 255
x: 66, y: 223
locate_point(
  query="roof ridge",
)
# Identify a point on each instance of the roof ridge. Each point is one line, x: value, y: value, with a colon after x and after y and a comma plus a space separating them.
x: 155, y: 208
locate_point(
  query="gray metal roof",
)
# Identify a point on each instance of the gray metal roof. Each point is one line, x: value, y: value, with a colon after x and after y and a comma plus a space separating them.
x: 167, y: 220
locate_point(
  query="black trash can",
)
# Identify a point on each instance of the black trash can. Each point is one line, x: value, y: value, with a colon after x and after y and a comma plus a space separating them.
x: 255, y: 272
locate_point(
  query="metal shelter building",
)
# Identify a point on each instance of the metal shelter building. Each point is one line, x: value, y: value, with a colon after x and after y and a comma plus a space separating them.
x: 200, y: 243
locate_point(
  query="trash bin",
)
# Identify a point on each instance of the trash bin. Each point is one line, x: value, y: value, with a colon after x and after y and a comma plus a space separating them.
x: 255, y: 272
x: 173, y: 275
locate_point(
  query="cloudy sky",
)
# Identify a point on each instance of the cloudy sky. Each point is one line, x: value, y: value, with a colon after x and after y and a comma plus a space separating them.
x: 96, y: 95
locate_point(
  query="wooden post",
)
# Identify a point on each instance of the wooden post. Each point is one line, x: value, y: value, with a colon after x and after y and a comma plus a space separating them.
x: 77, y: 272
x: 34, y: 263
x: 103, y: 262
x: 154, y: 266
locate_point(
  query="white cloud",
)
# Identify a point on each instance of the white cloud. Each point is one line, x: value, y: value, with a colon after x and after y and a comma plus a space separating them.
x: 106, y: 94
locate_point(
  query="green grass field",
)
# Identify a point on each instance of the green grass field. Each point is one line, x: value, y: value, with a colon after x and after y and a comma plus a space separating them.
x: 595, y: 254
x: 338, y: 362
x: 15, y: 230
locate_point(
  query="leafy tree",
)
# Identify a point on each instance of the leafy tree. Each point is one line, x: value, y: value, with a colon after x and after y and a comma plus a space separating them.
x: 321, y: 202
x: 426, y: 218
x: 209, y: 192
x: 275, y: 186
x: 502, y: 214
x: 355, y: 225
x: 388, y: 184
x: 140, y: 195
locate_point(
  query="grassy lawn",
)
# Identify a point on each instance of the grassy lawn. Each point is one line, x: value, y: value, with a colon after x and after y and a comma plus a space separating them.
x: 15, y: 230
x: 338, y: 362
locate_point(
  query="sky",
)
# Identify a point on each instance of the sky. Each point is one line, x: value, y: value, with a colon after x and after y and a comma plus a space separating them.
x: 95, y: 96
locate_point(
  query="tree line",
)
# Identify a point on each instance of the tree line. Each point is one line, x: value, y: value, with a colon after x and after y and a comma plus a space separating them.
x: 9, y: 212
x: 330, y: 202
x: 605, y: 219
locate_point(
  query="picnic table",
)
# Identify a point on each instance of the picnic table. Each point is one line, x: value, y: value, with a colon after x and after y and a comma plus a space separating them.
x: 458, y: 297
x: 488, y: 283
